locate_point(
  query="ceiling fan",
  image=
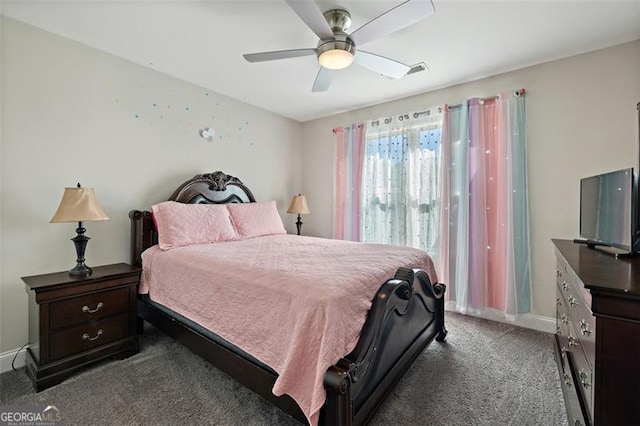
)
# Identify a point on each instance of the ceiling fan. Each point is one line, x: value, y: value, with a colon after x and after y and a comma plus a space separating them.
x: 337, y: 50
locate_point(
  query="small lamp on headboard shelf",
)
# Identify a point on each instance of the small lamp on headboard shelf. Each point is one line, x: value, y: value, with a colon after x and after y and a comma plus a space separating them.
x: 79, y: 205
x: 298, y: 206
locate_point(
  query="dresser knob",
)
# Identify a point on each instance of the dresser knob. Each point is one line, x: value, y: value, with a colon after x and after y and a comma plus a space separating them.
x: 583, y: 379
x: 584, y: 328
x: 85, y: 336
x: 99, y: 306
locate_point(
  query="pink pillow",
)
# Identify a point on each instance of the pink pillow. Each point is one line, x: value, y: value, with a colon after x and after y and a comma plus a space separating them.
x: 256, y: 219
x: 181, y: 224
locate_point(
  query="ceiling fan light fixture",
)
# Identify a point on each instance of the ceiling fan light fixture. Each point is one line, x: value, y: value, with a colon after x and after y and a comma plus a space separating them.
x: 336, y: 59
x: 336, y: 54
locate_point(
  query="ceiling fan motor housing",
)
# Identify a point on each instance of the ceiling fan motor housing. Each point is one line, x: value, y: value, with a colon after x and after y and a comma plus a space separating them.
x: 341, y: 48
x: 342, y: 41
x: 338, y: 19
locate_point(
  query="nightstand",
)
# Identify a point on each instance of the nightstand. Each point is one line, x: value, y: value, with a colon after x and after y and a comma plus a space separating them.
x: 76, y: 321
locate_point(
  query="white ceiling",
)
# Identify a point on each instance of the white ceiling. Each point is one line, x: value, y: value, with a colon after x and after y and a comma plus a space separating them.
x: 202, y: 42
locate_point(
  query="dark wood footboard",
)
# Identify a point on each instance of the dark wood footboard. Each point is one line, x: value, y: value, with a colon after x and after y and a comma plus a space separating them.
x: 406, y: 315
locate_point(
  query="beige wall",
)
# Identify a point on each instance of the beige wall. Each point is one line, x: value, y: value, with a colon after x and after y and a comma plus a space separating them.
x: 581, y: 120
x: 70, y: 116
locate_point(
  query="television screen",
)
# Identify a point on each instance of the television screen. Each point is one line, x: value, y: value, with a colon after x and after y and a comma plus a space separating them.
x: 607, y: 208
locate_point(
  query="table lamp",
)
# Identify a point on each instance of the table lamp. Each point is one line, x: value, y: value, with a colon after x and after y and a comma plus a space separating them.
x: 79, y: 205
x: 298, y: 205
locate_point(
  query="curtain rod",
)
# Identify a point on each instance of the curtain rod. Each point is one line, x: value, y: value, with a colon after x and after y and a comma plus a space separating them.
x: 347, y: 128
x: 517, y: 93
x: 402, y: 117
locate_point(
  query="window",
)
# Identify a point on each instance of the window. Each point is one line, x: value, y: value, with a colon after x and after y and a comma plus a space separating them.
x: 400, y: 187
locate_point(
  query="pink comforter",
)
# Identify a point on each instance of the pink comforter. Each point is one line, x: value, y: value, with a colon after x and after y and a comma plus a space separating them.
x: 295, y: 303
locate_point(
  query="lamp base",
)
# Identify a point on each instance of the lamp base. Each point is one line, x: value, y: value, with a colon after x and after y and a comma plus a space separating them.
x: 299, y: 224
x: 80, y: 270
x: 80, y: 241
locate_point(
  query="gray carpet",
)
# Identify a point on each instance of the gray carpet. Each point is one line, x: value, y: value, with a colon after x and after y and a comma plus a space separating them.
x: 487, y: 373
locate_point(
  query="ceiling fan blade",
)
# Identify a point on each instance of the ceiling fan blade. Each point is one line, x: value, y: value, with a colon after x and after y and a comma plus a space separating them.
x: 401, y: 16
x: 278, y: 54
x: 380, y: 64
x: 323, y: 80
x: 311, y: 15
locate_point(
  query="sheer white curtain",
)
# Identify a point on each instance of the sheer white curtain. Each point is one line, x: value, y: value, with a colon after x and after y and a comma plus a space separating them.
x: 400, y: 181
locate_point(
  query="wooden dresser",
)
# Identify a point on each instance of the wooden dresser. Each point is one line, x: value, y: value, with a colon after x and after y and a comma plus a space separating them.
x: 598, y: 335
x: 77, y: 321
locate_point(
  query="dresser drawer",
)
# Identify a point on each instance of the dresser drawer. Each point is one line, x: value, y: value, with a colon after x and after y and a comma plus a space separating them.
x: 569, y: 390
x: 577, y: 305
x: 584, y: 322
x: 88, y: 336
x: 94, y: 306
x: 584, y: 380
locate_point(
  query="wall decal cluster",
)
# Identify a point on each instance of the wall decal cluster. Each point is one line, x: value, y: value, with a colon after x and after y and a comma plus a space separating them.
x: 152, y: 103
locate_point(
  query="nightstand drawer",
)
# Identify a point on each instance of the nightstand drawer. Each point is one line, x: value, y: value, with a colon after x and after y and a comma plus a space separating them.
x: 94, y: 306
x: 87, y: 336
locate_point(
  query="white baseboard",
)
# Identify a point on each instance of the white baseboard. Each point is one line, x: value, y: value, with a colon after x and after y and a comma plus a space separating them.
x: 537, y: 322
x: 7, y: 357
x: 534, y: 322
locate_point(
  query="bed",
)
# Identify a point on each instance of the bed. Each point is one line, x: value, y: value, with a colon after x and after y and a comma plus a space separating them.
x: 405, y: 315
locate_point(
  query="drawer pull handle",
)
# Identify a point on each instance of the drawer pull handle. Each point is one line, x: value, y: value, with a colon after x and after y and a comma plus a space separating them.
x: 567, y: 380
x: 584, y: 328
x: 99, y: 306
x: 85, y: 336
x: 565, y: 286
x: 564, y: 319
x: 572, y: 301
x: 583, y: 379
x: 572, y: 342
x: 577, y: 422
x: 558, y: 302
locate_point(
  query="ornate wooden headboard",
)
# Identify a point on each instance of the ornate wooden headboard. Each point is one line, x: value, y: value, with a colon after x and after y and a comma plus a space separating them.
x: 210, y: 188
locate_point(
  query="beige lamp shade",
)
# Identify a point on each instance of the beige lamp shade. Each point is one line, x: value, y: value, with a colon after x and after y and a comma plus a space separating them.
x: 79, y: 205
x: 298, y: 205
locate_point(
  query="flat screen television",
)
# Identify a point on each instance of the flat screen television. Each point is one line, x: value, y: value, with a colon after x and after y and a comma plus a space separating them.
x: 609, y: 210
